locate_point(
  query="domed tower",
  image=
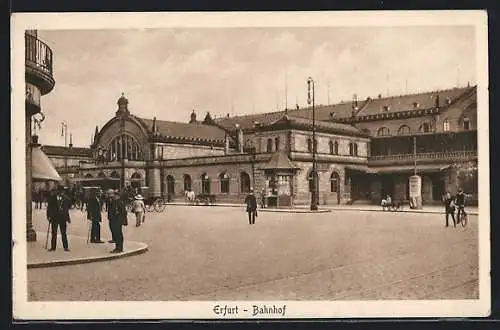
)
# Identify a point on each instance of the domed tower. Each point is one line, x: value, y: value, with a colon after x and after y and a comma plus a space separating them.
x: 39, y: 81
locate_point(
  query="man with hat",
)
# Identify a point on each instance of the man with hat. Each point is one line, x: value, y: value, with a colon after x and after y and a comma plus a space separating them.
x: 94, y: 215
x: 251, y: 203
x: 58, y: 215
x: 460, y: 202
x: 117, y: 214
x: 139, y: 209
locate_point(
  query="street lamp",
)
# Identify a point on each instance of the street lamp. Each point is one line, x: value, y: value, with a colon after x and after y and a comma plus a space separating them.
x: 314, y: 197
x: 64, y: 132
x: 252, y: 151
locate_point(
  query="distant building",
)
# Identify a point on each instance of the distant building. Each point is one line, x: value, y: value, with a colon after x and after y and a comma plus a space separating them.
x: 365, y: 150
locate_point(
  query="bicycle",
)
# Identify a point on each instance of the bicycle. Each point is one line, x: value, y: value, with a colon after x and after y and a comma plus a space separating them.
x: 463, y: 216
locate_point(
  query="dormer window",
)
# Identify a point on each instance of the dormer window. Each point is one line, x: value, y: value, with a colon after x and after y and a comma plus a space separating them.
x: 466, y: 124
x: 416, y: 105
x: 386, y: 108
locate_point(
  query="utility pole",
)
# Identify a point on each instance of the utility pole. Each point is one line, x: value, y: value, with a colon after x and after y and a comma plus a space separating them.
x: 64, y: 132
x: 310, y: 88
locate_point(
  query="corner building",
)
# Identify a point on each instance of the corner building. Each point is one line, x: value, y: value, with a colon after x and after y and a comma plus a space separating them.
x: 365, y: 150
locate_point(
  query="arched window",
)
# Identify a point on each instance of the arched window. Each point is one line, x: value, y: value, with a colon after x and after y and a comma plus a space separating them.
x: 330, y: 145
x: 334, y: 182
x: 425, y: 128
x: 205, y: 184
x: 446, y: 125
x: 383, y: 131
x: 404, y: 130
x: 309, y: 145
x: 115, y: 175
x: 135, y: 180
x: 336, y: 148
x: 102, y: 175
x: 187, y: 182
x: 125, y: 146
x: 277, y: 143
x: 310, y: 178
x: 244, y: 182
x: 170, y: 185
x: 355, y: 147
x: 224, y: 183
x: 269, y: 145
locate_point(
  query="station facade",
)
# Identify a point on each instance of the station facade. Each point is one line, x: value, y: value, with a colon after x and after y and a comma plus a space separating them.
x: 365, y: 149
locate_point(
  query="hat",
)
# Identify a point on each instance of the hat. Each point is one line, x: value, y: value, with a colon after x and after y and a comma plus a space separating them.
x: 251, y: 189
x: 139, y: 197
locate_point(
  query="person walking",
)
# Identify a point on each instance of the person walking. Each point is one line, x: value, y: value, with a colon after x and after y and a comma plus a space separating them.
x: 460, y: 202
x: 251, y: 203
x: 118, y: 218
x: 139, y: 209
x: 58, y: 217
x: 449, y: 208
x: 94, y: 215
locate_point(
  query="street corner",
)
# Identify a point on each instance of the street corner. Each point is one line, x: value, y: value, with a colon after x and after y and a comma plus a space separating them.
x: 80, y: 252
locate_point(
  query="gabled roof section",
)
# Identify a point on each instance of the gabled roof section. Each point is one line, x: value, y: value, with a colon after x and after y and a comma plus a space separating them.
x: 67, y: 151
x: 248, y: 121
x: 279, y: 161
x: 194, y: 131
x: 306, y: 124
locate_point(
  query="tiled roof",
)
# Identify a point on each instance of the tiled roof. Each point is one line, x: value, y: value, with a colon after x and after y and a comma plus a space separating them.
x: 248, y: 121
x: 279, y: 160
x: 194, y: 131
x: 320, y: 125
x: 66, y: 151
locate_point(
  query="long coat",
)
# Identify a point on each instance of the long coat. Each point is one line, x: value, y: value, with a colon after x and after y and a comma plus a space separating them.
x: 94, y: 209
x: 117, y: 212
x: 251, y: 202
x: 58, y: 208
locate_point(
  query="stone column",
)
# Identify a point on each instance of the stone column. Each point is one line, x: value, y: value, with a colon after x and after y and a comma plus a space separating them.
x: 415, y: 185
x: 30, y: 231
x: 154, y: 181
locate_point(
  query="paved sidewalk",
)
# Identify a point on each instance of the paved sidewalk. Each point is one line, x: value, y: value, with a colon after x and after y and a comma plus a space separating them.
x: 327, y: 208
x: 80, y: 253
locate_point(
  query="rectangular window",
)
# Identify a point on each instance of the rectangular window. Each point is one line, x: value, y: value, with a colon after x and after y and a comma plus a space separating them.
x: 466, y: 124
x: 446, y: 126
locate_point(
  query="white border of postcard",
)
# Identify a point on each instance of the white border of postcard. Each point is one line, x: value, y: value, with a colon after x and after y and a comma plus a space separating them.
x: 22, y: 309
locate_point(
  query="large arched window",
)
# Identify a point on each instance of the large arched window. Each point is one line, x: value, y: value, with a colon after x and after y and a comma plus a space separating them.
x: 383, y: 131
x: 330, y: 145
x: 277, y: 143
x: 334, y: 182
x: 114, y: 175
x: 205, y: 184
x: 404, y: 130
x: 425, y: 128
x: 135, y: 180
x: 125, y: 146
x: 170, y: 185
x: 224, y: 183
x: 309, y: 145
x: 310, y: 178
x: 244, y: 182
x: 187, y: 182
x: 269, y: 145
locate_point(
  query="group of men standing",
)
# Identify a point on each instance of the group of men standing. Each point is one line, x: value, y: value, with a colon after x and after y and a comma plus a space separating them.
x: 58, y: 216
x: 454, y: 202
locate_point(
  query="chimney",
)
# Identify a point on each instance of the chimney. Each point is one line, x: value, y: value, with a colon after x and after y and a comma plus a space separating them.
x: 71, y: 140
x: 193, y: 117
x: 240, y: 139
x: 226, y: 144
x: 154, y: 129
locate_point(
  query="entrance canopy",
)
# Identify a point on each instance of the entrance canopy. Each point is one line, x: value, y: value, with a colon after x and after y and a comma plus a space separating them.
x: 42, y: 168
x: 279, y: 161
x: 428, y: 168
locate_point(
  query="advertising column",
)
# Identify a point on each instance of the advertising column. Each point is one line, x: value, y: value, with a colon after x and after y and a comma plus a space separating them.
x: 415, y: 184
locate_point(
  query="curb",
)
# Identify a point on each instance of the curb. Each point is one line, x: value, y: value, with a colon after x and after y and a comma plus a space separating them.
x: 84, y: 260
x: 305, y: 211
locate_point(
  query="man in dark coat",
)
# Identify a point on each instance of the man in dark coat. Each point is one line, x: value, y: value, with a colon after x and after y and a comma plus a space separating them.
x: 118, y: 218
x: 58, y: 216
x: 460, y: 201
x: 251, y: 203
x: 109, y: 202
x: 94, y: 215
x: 449, y: 208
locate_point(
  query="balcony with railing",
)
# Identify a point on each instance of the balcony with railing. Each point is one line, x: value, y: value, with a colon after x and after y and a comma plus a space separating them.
x: 38, y: 64
x: 427, y: 157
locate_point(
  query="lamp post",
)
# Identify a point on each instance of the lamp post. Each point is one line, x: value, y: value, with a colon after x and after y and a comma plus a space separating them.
x: 252, y: 150
x: 122, y: 153
x: 64, y: 132
x: 314, y: 197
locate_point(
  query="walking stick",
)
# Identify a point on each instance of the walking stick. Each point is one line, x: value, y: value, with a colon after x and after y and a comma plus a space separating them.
x: 47, y: 237
x: 88, y: 236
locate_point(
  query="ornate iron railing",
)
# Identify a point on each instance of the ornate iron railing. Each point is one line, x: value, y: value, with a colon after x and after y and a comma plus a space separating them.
x: 38, y: 54
x: 447, y: 155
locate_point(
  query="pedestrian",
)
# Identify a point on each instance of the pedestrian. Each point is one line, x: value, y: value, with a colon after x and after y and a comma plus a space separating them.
x: 139, y: 209
x: 251, y: 203
x: 117, y: 220
x: 460, y: 202
x: 58, y: 216
x: 449, y: 208
x: 109, y: 203
x: 94, y: 215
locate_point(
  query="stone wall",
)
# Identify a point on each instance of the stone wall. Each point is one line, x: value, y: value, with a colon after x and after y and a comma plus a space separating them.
x: 299, y: 140
x: 178, y: 151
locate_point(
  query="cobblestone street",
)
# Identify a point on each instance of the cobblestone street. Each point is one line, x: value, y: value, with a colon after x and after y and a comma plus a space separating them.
x: 212, y: 253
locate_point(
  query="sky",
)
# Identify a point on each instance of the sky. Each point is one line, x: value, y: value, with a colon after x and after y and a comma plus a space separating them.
x: 169, y: 72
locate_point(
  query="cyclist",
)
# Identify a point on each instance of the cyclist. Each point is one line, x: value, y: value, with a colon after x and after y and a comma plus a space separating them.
x: 460, y: 202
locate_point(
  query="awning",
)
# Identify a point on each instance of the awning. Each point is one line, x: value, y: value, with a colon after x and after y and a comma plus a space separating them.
x: 279, y: 161
x: 361, y: 168
x: 41, y: 166
x: 429, y: 168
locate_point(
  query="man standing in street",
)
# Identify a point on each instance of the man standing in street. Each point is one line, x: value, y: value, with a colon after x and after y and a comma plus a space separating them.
x: 94, y: 215
x: 117, y: 219
x: 58, y: 216
x: 449, y: 208
x: 110, y: 197
x: 251, y: 203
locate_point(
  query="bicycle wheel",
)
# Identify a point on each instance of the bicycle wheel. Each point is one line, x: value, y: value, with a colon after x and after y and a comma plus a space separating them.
x: 464, y: 219
x: 159, y: 205
x: 128, y: 207
x: 150, y: 207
